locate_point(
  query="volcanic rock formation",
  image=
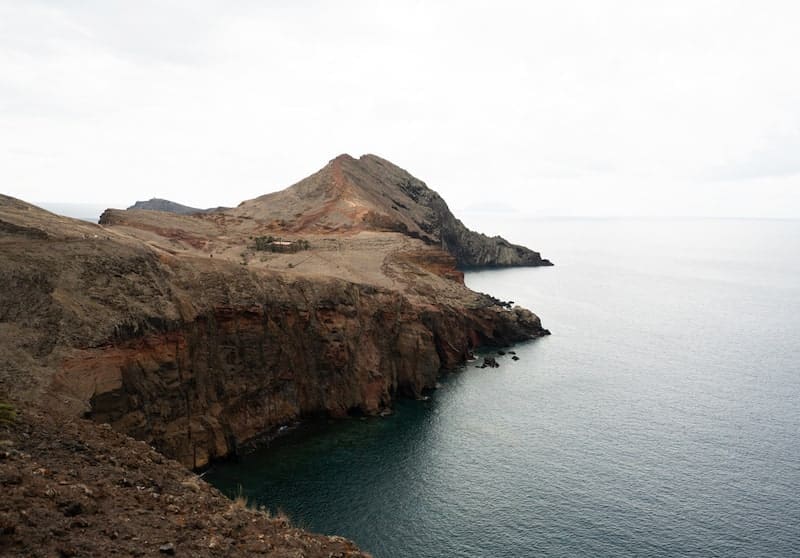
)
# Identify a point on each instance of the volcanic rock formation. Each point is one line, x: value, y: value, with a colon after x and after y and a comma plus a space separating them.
x: 370, y: 193
x: 180, y: 331
x: 199, y: 333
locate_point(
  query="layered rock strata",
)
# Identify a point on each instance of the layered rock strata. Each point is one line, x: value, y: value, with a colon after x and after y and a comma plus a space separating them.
x: 199, y: 355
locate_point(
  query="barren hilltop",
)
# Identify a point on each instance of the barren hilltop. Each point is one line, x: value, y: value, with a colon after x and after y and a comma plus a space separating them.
x: 345, y: 197
x: 200, y: 334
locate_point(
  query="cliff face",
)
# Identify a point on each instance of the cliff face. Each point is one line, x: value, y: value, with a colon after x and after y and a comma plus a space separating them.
x: 198, y: 355
x: 372, y: 193
x: 198, y: 389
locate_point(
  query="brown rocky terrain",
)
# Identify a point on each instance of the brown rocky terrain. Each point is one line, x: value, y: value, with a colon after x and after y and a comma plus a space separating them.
x: 199, y: 334
x: 73, y: 488
x: 368, y: 193
x: 372, y: 193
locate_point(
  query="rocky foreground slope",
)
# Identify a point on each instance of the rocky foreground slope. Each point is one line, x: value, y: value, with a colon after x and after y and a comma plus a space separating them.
x: 198, y: 334
x: 73, y: 488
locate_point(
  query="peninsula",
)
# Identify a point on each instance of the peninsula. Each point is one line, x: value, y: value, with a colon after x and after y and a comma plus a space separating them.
x: 199, y: 333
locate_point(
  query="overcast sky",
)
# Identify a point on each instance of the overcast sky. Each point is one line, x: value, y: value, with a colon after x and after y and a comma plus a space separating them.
x: 547, y: 108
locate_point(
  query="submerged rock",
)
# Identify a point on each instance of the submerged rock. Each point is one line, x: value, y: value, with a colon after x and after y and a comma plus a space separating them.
x: 490, y: 362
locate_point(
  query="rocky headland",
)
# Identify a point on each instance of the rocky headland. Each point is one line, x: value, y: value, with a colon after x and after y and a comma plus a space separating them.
x: 200, y: 333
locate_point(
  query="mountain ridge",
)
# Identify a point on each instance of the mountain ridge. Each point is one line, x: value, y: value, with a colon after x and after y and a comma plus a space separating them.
x: 349, y: 195
x: 371, y: 193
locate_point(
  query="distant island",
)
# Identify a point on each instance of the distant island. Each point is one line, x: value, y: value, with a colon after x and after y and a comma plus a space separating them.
x: 158, y: 204
x: 201, y: 332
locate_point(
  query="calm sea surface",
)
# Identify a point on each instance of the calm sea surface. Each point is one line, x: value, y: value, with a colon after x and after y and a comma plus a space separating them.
x: 661, y: 418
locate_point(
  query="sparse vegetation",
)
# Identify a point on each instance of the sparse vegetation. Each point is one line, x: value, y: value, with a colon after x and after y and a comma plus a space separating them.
x: 241, y: 501
x: 8, y: 414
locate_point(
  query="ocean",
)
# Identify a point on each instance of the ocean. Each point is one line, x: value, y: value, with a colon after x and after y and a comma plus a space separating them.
x: 84, y: 211
x: 661, y: 417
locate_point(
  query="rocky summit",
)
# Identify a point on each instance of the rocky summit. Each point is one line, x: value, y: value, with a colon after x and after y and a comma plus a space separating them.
x: 200, y: 334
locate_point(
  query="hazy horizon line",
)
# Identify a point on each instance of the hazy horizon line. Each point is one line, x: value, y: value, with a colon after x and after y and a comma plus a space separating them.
x: 53, y: 207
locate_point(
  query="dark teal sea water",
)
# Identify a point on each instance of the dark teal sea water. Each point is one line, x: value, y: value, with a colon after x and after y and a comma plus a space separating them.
x: 661, y: 418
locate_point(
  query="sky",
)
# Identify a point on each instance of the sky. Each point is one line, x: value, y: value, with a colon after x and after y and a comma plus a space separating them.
x: 569, y: 108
